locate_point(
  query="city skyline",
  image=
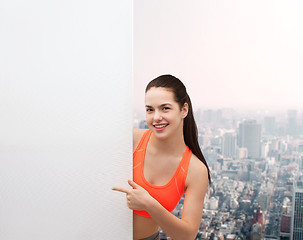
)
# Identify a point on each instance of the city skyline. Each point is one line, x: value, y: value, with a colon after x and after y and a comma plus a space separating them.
x: 253, y: 194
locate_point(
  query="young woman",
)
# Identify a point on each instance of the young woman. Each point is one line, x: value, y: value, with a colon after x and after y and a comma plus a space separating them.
x: 167, y: 162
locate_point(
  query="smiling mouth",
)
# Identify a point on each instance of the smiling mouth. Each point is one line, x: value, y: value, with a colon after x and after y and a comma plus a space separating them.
x: 160, y: 126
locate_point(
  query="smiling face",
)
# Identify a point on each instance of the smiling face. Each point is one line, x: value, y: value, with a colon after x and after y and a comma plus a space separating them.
x: 163, y: 114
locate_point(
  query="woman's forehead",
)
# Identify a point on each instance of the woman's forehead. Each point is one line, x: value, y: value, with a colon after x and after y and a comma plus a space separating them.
x: 159, y: 95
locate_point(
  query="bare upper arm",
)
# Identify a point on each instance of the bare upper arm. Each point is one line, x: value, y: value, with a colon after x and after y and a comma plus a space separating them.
x: 137, y: 135
x: 196, y: 186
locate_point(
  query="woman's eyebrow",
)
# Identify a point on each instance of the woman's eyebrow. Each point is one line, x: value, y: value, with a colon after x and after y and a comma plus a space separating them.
x: 162, y: 105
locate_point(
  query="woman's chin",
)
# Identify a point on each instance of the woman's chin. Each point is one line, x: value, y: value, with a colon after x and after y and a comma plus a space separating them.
x: 161, y: 134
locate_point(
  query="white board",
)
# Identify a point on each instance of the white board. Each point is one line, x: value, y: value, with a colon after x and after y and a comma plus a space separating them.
x: 66, y: 119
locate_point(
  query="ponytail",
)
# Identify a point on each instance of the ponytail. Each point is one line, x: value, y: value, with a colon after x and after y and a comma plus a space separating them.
x: 190, y: 132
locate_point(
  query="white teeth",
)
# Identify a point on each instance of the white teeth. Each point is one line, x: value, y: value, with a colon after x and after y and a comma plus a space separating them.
x: 160, y: 126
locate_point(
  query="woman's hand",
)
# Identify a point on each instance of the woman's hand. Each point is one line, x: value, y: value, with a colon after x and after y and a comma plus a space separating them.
x: 137, y: 198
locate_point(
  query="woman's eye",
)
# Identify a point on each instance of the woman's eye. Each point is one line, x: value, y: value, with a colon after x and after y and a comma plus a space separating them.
x: 148, y: 110
x: 166, y: 108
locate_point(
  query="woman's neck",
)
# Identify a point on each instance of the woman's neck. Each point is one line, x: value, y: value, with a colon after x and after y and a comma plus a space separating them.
x: 172, y: 145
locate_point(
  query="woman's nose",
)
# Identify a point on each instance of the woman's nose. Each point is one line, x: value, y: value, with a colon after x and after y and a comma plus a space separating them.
x: 157, y: 116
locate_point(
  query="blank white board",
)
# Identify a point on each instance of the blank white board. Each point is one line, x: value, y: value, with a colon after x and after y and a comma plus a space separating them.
x: 65, y: 119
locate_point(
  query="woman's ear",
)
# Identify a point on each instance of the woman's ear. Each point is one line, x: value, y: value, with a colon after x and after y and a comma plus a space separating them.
x: 184, y: 110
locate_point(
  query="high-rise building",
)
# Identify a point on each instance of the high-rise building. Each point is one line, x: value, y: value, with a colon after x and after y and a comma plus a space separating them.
x: 250, y: 138
x: 292, y: 122
x: 229, y: 145
x: 285, y: 225
x: 269, y: 125
x: 297, y: 211
x: 301, y: 163
x: 263, y: 199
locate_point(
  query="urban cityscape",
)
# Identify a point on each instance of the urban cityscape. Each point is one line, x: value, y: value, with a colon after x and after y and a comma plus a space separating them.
x: 256, y: 163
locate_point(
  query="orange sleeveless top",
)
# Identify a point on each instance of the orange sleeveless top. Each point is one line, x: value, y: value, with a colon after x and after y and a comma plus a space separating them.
x: 169, y: 194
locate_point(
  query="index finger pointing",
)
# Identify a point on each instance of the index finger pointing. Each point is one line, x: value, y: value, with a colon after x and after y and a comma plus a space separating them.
x: 120, y: 189
x: 133, y: 184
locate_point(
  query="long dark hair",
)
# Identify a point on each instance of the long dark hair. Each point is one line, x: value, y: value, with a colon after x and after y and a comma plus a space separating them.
x: 190, y: 130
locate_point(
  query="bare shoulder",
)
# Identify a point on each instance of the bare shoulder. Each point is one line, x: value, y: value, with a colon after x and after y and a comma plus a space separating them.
x: 137, y: 135
x: 197, y: 172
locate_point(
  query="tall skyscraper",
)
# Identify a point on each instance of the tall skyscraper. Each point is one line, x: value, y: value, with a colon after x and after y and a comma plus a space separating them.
x: 292, y: 122
x: 229, y: 145
x: 297, y: 211
x: 250, y: 137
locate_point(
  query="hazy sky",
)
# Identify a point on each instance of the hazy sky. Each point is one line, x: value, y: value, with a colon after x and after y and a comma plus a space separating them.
x: 228, y: 53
